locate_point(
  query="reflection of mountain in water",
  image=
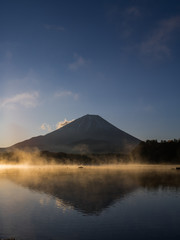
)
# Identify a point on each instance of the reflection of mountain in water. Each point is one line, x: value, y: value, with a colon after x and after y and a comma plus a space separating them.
x: 91, y: 191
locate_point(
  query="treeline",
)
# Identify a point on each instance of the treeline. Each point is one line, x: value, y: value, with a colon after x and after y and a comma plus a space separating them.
x: 89, y: 159
x: 46, y: 157
x: 152, y: 151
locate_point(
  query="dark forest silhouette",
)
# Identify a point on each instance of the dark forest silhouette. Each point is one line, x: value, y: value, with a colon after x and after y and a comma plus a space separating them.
x: 150, y: 151
x: 153, y: 151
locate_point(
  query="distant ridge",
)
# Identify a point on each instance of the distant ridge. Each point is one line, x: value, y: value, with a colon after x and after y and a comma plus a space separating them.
x: 87, y: 134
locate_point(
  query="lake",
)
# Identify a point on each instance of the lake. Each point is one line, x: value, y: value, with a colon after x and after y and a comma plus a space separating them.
x: 110, y: 202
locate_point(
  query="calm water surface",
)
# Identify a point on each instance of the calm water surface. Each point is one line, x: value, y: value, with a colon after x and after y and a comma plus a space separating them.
x: 141, y: 202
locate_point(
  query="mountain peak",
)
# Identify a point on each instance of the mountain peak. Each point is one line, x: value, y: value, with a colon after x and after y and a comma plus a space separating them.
x: 91, y: 116
x: 88, y: 134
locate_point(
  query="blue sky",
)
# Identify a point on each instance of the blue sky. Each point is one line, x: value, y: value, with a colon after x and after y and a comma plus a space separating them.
x: 63, y: 59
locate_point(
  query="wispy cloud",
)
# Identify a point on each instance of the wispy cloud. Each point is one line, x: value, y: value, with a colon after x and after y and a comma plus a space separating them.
x: 26, y: 99
x: 115, y: 10
x: 53, y: 27
x: 133, y: 11
x: 63, y: 123
x: 79, y: 62
x: 129, y: 21
x: 65, y: 94
x: 157, y: 44
x: 46, y: 127
x: 125, y: 19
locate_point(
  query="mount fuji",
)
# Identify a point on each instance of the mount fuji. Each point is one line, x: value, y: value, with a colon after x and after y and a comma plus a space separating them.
x: 87, y: 134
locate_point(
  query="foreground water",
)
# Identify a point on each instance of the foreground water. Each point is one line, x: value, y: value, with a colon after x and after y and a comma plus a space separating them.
x: 139, y: 202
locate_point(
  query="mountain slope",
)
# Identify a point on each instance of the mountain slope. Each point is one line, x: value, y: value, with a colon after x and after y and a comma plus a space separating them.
x: 89, y: 133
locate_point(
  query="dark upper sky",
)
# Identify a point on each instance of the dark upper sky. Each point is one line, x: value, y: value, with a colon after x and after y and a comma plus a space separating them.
x: 64, y: 59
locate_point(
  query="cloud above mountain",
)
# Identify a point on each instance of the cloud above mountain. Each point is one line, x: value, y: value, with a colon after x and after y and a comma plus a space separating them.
x: 26, y: 99
x: 78, y: 63
x: 63, y: 123
x: 157, y: 44
x: 66, y: 93
x: 48, y: 128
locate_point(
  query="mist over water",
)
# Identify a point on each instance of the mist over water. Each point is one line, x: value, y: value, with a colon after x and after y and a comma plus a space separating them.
x: 93, y: 202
